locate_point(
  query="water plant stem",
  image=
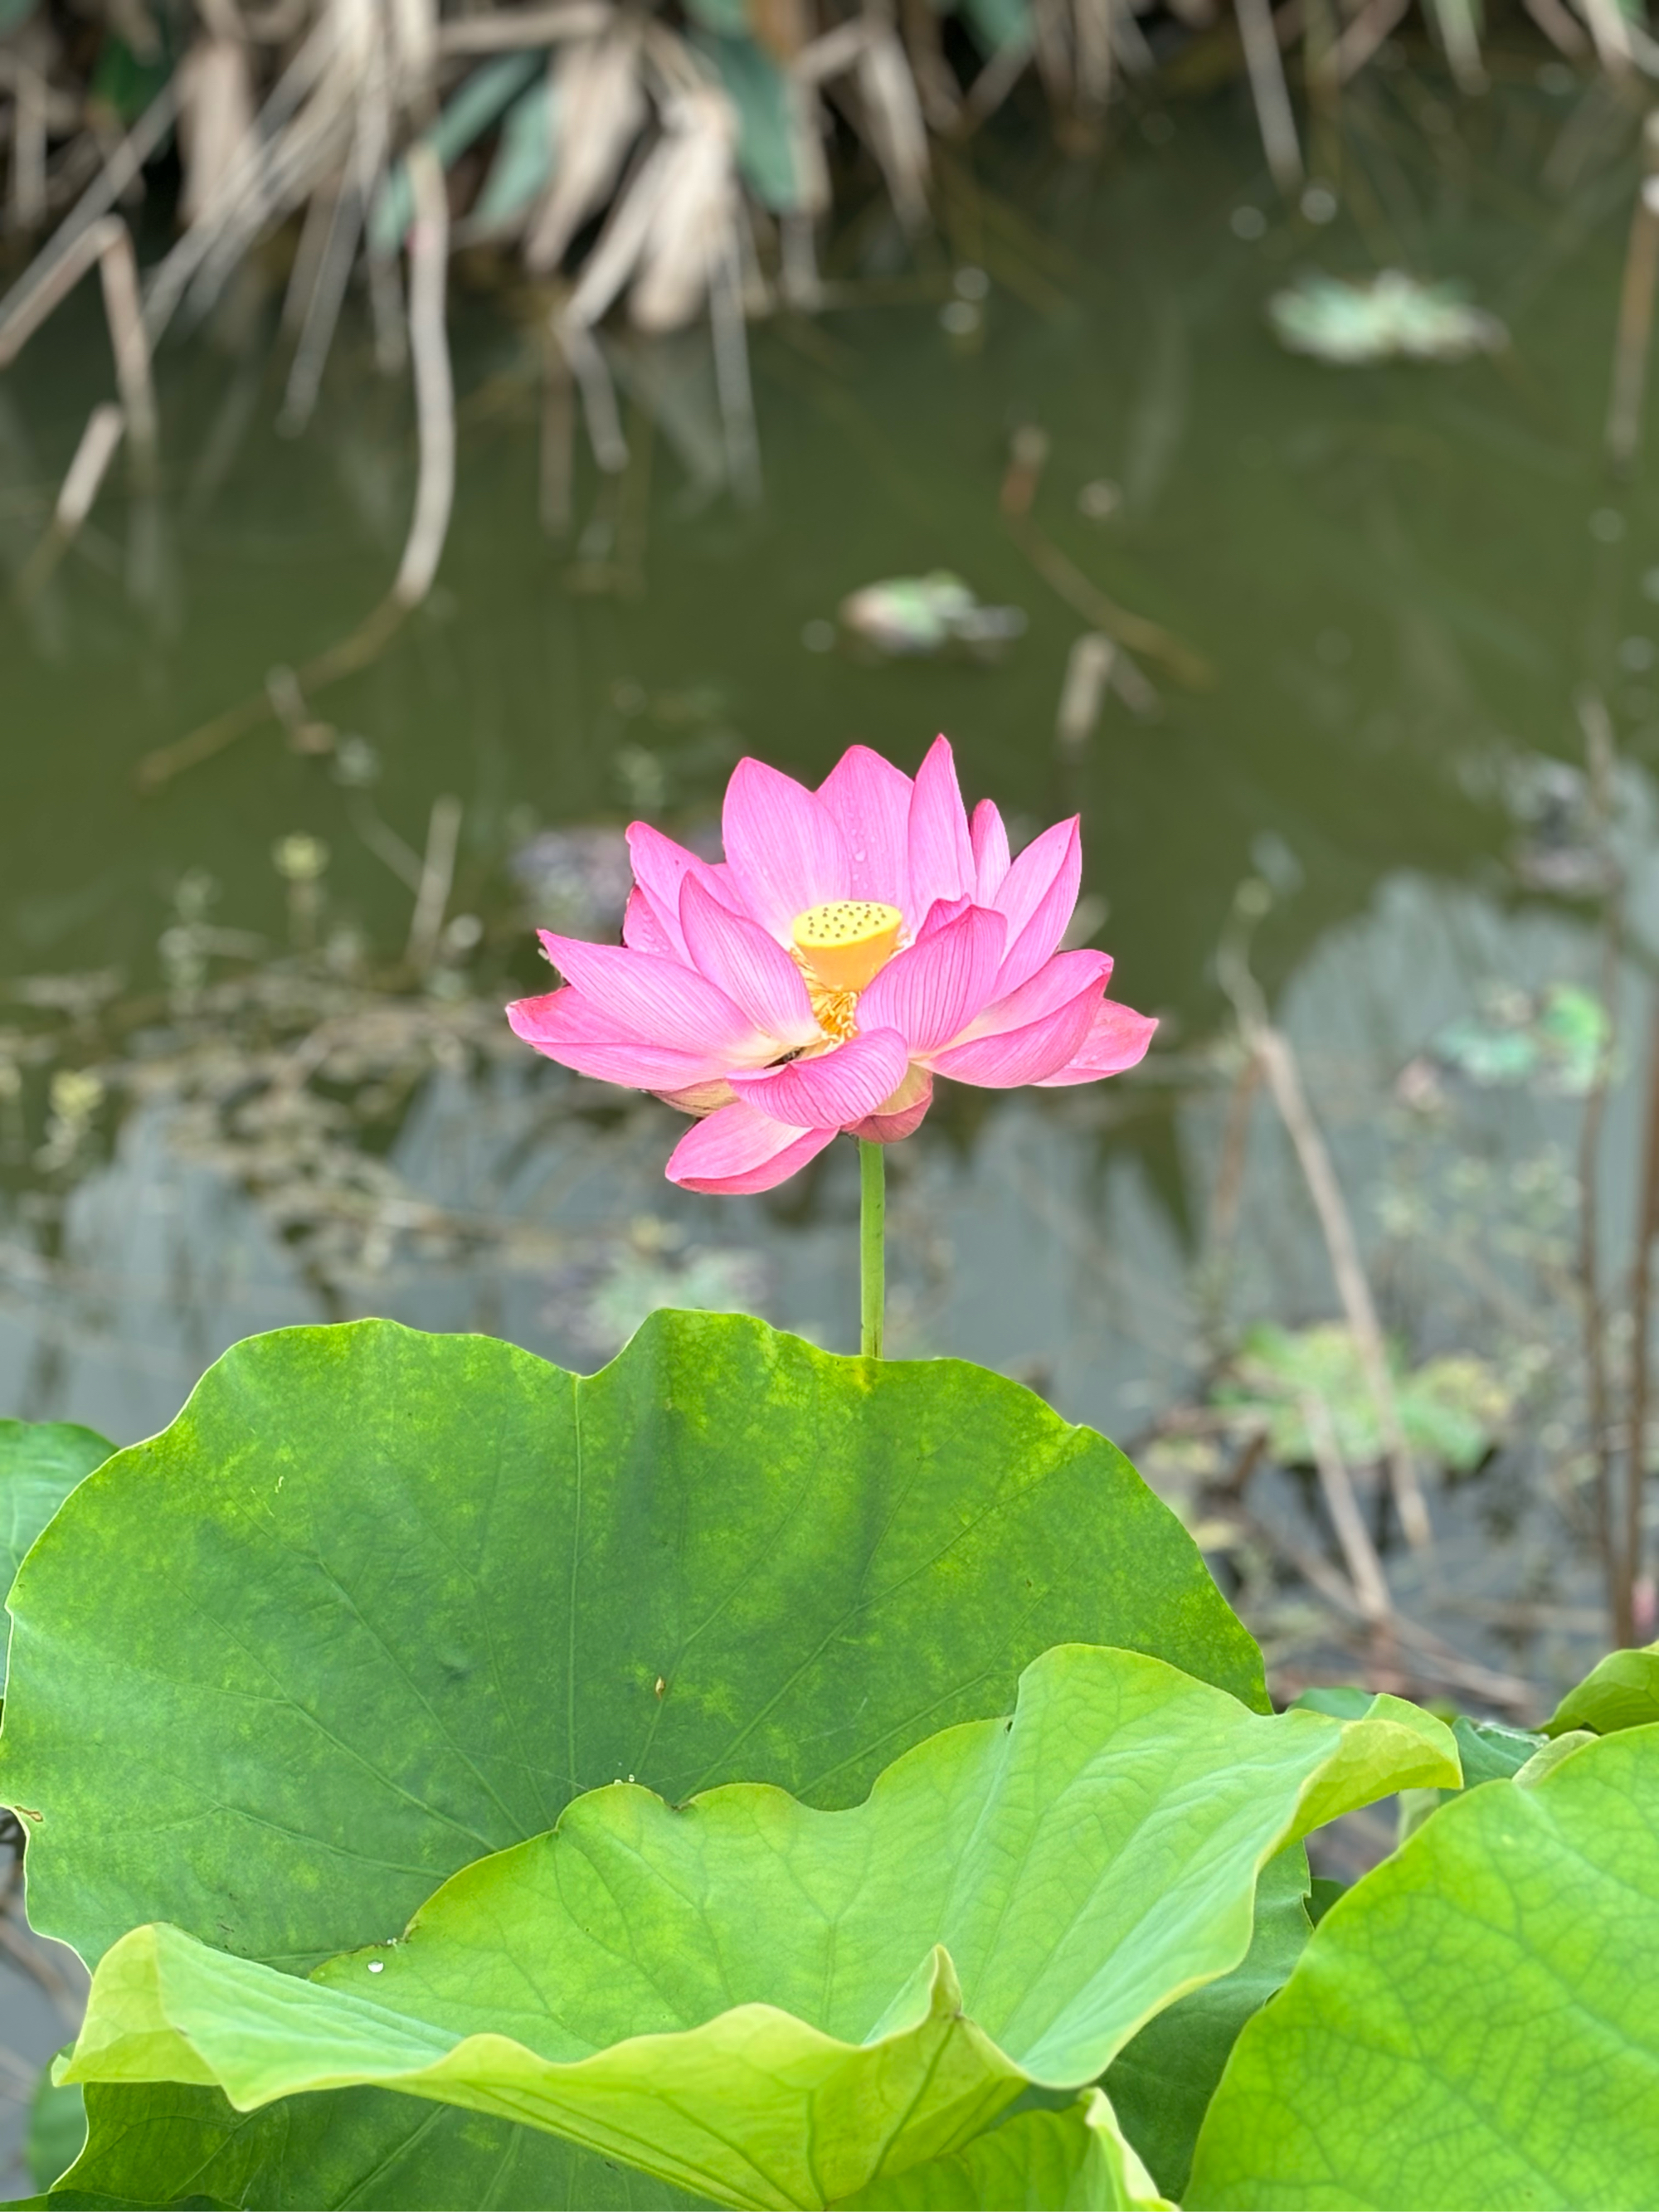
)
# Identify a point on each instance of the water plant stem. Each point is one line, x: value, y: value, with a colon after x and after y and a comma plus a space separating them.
x: 1272, y: 1048
x: 872, y: 1248
x: 1602, y: 757
x: 1630, y: 1554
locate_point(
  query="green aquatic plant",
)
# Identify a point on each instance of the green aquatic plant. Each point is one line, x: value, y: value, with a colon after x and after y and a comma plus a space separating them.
x: 1453, y: 1409
x: 1621, y: 1692
x: 771, y: 2005
x: 40, y: 1462
x: 752, y: 1776
x: 1557, y: 1040
x: 1474, y: 2025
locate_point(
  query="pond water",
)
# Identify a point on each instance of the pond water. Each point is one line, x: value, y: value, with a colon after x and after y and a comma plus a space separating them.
x: 1401, y: 596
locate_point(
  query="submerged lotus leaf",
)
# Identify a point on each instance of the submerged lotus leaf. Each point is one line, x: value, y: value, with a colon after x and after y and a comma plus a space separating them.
x: 378, y: 1603
x: 1473, y: 2027
x: 40, y: 1462
x: 774, y: 2005
x: 1621, y: 1692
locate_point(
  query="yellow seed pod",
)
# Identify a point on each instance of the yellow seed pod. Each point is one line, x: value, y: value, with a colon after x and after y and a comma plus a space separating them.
x: 847, y: 942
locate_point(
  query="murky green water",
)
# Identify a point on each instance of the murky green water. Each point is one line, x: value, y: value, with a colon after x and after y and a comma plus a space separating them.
x: 1401, y: 581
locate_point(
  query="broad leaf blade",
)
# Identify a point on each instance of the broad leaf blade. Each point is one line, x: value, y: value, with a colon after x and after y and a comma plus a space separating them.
x: 1492, y: 1750
x: 57, y: 2129
x: 40, y: 1462
x: 776, y: 2005
x: 1075, y: 2160
x: 758, y: 2107
x: 1161, y: 2084
x: 164, y: 2143
x: 378, y: 1603
x: 1621, y: 1692
x: 1473, y: 2026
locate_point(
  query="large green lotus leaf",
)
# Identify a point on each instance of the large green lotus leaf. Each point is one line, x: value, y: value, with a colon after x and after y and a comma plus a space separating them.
x: 1161, y: 2083
x: 778, y: 2005
x: 1074, y: 2160
x: 40, y: 1462
x: 168, y: 2143
x: 56, y: 2129
x: 378, y: 1603
x: 1621, y: 1692
x: 1037, y: 2161
x: 1473, y: 2026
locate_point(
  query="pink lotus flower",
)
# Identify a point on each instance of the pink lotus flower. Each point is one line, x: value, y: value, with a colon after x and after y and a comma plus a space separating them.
x: 855, y: 942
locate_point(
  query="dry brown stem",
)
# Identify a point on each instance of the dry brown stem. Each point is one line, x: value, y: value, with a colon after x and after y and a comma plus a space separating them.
x: 1635, y: 334
x: 1628, y: 1564
x: 1271, y: 95
x: 434, y: 392
x: 1273, y: 1049
x: 1370, y: 1584
x: 437, y: 874
x: 1597, y: 726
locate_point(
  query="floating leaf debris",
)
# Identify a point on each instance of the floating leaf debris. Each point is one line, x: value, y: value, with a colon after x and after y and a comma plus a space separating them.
x: 908, y: 616
x: 1392, y: 316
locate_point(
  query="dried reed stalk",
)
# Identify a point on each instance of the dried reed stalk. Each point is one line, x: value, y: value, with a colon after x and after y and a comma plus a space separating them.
x: 1374, y: 22
x: 596, y: 87
x: 1629, y: 1560
x: 1601, y: 754
x: 99, y: 444
x: 1272, y: 1048
x: 117, y: 270
x: 1559, y: 27
x: 21, y: 310
x: 107, y: 243
x: 435, y: 394
x: 1370, y: 1584
x: 437, y: 875
x: 1611, y: 34
x: 1631, y: 347
x: 428, y: 253
x: 1285, y: 1082
x: 1082, y: 694
x: 513, y: 30
x: 106, y: 426
x: 215, y: 120
x: 1271, y: 94
x: 27, y: 210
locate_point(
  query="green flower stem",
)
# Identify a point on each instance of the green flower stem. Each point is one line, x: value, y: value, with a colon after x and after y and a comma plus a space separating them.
x: 873, y: 1250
